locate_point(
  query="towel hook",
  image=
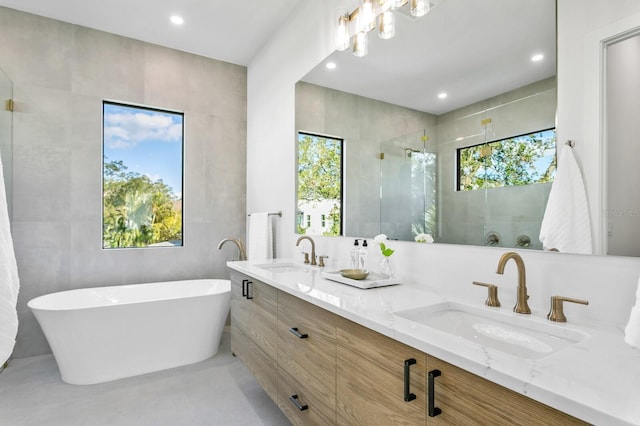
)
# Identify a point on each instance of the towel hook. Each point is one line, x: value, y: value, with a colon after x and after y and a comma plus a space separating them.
x: 570, y: 143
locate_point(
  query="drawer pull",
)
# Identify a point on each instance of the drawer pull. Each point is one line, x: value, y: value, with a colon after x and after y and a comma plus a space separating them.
x: 299, y: 335
x: 244, y: 288
x: 433, y: 410
x: 249, y: 293
x: 408, y: 396
x: 294, y: 399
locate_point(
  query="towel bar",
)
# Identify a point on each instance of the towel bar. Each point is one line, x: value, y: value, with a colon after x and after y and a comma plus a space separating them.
x: 271, y: 214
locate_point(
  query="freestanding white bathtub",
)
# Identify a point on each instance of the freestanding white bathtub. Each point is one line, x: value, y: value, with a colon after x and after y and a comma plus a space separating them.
x: 107, y: 333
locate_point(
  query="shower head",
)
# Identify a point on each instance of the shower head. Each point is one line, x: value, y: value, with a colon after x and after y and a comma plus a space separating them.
x: 409, y: 151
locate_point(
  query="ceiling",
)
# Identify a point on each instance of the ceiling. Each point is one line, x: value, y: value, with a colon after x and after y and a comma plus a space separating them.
x: 472, y: 50
x: 231, y: 31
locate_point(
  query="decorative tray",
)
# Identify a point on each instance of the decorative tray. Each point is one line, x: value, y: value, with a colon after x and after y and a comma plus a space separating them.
x: 372, y: 281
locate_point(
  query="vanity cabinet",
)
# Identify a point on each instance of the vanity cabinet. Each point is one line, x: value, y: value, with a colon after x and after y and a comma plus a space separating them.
x: 466, y: 399
x: 373, y: 374
x: 322, y: 369
x: 253, y: 328
x: 306, y: 362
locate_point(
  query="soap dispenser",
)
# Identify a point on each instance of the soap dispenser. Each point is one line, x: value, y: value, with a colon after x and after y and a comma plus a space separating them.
x: 363, y: 254
x: 355, y: 255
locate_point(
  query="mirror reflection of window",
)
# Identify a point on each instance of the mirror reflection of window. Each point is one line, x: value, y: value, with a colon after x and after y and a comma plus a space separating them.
x: 319, y: 189
x: 142, y: 176
x: 521, y: 160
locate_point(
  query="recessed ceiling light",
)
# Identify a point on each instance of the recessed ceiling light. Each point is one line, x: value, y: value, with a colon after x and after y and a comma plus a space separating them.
x: 331, y: 65
x: 460, y: 138
x: 177, y: 20
x: 537, y: 57
x: 442, y: 95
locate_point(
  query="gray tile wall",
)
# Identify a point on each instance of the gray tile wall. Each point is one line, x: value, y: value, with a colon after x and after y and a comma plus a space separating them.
x: 61, y: 74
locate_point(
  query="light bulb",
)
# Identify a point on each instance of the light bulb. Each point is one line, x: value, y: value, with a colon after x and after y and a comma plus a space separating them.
x: 360, y: 44
x: 419, y: 7
x: 366, y: 16
x: 342, y: 33
x: 386, y: 24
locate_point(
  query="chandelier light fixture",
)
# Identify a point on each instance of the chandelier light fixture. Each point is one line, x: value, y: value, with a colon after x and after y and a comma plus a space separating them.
x: 342, y: 33
x: 366, y: 18
x: 360, y: 44
x: 387, y: 24
x: 363, y: 19
x: 419, y: 7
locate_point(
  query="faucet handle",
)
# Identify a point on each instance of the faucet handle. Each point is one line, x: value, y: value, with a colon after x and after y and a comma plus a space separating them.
x: 306, y: 257
x: 321, y: 260
x: 556, y: 313
x: 492, y: 294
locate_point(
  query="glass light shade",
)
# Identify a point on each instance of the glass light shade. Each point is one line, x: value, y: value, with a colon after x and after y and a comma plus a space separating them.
x: 342, y: 33
x: 361, y: 44
x: 397, y: 4
x: 366, y: 16
x: 386, y: 24
x: 419, y: 7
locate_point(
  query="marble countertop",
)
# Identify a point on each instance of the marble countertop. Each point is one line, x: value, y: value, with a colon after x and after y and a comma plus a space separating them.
x: 596, y: 379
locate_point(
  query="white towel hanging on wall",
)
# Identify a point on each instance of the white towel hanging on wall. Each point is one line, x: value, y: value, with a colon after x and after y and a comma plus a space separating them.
x: 632, y: 330
x: 9, y: 282
x: 566, y: 226
x: 260, y: 236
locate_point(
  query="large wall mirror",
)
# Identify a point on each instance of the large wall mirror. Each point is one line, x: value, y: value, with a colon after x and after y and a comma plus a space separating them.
x: 622, y: 105
x: 424, y: 114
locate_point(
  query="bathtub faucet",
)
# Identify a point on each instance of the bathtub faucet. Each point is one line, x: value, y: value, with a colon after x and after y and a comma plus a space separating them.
x: 238, y: 243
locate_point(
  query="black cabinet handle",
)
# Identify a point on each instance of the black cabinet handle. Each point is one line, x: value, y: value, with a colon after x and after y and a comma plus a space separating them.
x: 299, y: 406
x: 249, y: 293
x: 299, y: 335
x: 433, y: 410
x: 408, y: 396
x: 244, y: 288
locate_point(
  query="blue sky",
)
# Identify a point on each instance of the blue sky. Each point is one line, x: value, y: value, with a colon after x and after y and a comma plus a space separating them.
x: 148, y: 142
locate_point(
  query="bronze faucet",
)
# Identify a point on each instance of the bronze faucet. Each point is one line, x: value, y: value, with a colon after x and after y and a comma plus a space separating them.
x: 313, y: 248
x: 238, y: 243
x: 522, y: 307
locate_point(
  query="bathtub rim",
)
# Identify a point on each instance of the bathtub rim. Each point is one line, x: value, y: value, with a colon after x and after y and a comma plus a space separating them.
x: 33, y: 303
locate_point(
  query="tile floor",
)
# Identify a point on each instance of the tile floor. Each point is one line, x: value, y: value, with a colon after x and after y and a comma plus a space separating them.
x: 218, y: 391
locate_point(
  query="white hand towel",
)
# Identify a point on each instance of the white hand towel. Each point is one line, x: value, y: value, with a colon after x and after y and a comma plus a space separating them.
x: 565, y: 225
x: 9, y: 282
x: 632, y: 330
x: 260, y: 236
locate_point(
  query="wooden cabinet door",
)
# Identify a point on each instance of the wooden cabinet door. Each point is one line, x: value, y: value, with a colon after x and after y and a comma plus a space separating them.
x: 467, y: 399
x: 371, y: 379
x: 253, y: 329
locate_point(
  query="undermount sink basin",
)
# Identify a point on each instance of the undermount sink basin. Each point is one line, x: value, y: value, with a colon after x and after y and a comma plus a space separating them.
x: 281, y: 267
x: 507, y: 332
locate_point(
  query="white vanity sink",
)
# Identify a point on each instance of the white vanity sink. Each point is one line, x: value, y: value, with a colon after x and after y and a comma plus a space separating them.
x: 281, y: 267
x: 515, y: 334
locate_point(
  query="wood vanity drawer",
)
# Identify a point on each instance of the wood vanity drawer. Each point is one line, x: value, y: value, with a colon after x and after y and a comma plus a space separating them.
x: 314, y: 407
x: 309, y: 355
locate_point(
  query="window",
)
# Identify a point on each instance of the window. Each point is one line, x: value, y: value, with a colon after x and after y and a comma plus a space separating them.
x: 142, y: 176
x: 520, y: 160
x: 319, y: 192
